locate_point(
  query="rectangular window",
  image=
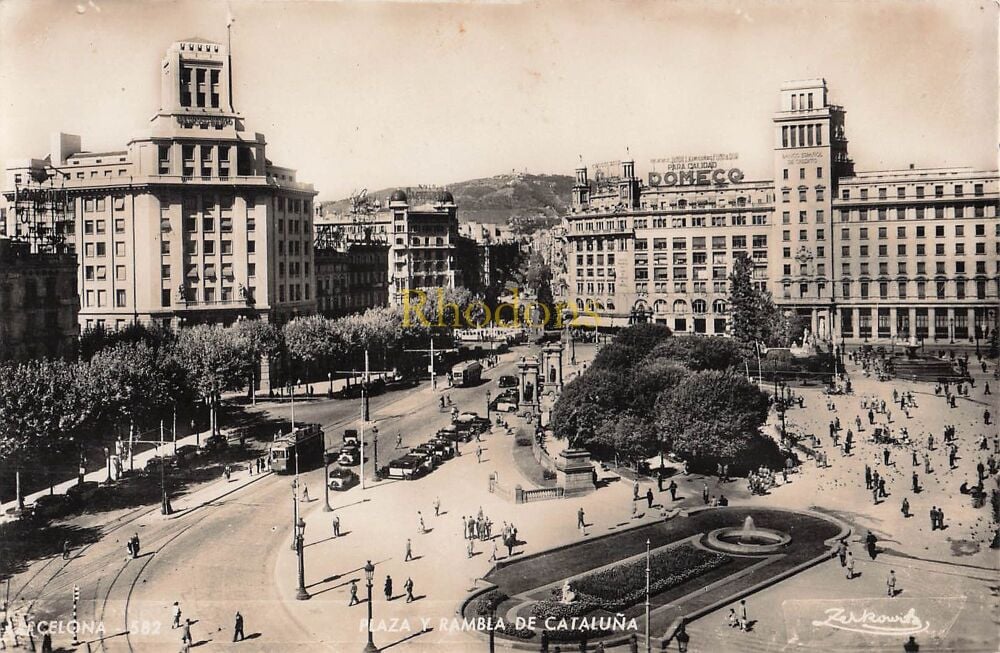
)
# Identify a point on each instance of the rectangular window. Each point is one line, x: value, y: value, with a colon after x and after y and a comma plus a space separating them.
x: 120, y: 298
x: 120, y: 272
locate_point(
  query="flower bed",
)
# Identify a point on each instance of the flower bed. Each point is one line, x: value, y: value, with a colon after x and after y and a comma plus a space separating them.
x: 624, y: 585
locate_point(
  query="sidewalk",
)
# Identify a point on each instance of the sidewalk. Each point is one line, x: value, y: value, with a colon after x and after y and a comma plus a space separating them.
x: 101, y: 475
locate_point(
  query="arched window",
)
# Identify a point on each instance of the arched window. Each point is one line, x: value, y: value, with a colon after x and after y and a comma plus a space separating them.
x: 699, y: 306
x: 579, y: 303
x: 680, y: 306
x: 660, y: 306
x: 719, y: 306
x: 611, y: 306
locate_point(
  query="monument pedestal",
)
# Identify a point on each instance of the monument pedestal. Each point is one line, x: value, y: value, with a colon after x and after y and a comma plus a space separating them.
x: 575, y: 472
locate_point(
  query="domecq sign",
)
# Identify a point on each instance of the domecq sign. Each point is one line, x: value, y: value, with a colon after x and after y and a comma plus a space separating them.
x: 695, y: 171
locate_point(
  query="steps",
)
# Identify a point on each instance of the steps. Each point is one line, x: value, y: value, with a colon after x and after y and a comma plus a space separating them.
x: 923, y: 369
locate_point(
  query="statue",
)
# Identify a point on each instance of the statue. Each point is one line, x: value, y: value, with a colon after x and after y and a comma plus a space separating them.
x: 568, y: 595
x: 529, y: 391
x: 182, y: 293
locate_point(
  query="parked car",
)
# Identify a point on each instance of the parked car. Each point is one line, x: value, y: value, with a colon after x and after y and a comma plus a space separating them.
x: 51, y: 506
x: 351, y: 437
x: 82, y: 492
x: 350, y: 456
x: 473, y: 421
x: 154, y: 464
x: 186, y: 452
x: 507, y: 381
x: 341, y: 479
x: 504, y: 407
x: 428, y: 452
x: 443, y: 448
x: 216, y: 442
x: 454, y: 434
x: 353, y: 391
x: 400, y: 382
x: 407, y: 467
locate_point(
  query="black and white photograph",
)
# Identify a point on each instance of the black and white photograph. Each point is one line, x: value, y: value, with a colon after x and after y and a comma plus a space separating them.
x: 637, y: 326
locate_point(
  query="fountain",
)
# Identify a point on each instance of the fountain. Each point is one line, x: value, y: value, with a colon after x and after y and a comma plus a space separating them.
x: 749, y: 539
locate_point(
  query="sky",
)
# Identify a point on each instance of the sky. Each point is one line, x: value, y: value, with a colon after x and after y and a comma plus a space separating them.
x: 375, y: 94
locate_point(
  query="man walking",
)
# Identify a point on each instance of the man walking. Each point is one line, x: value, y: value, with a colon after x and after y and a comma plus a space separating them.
x: 673, y: 490
x: 409, y: 551
x: 186, y: 634
x: 871, y: 543
x: 408, y: 586
x: 579, y: 519
x: 890, y: 584
x: 849, y: 566
x: 906, y: 508
x: 479, y: 455
x: 704, y: 493
x: 354, y: 593
x: 177, y: 616
x: 387, y: 588
x: 238, y: 628
x: 933, y: 518
x: 399, y: 440
x: 336, y: 525
x: 649, y: 498
x: 743, y: 615
x: 842, y: 553
x: 437, y: 506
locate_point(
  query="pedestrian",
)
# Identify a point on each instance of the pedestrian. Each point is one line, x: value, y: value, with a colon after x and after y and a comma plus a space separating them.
x: 493, y: 556
x: 471, y: 550
x: 437, y: 506
x: 388, y: 588
x: 336, y: 525
x: 842, y: 552
x: 635, y: 490
x: 704, y: 493
x: 46, y: 642
x: 850, y: 566
x: 871, y: 543
x: 479, y: 454
x: 885, y: 455
x: 906, y: 508
x: 510, y: 542
x: 409, y: 551
x: 135, y: 545
x: 934, y: 518
x: 731, y: 619
x: 228, y: 471
x: 890, y: 584
x: 635, y: 512
x: 649, y: 498
x: 673, y: 490
x: 579, y: 518
x: 305, y: 493
x: 940, y: 518
x: 881, y: 488
x: 986, y: 416
x: 186, y: 634
x: 916, y: 483
x: 868, y: 477
x: 421, y: 528
x: 408, y: 586
x: 399, y: 440
x: 743, y: 615
x: 238, y: 628
x: 177, y: 616
x: 65, y: 549
x: 129, y: 555
x: 354, y: 593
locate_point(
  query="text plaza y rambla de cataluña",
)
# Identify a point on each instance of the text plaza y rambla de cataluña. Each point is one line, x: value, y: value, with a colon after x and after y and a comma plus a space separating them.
x: 477, y: 314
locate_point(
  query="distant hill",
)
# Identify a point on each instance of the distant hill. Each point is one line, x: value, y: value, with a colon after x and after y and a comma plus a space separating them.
x: 489, y: 200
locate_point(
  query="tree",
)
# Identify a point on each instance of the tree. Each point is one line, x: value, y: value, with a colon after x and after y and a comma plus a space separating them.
x: 714, y: 416
x: 43, y: 416
x: 700, y: 352
x: 313, y: 341
x: 214, y: 359
x: 587, y: 405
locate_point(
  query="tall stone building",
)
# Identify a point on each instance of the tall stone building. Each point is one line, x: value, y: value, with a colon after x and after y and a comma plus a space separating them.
x: 887, y: 255
x: 190, y: 223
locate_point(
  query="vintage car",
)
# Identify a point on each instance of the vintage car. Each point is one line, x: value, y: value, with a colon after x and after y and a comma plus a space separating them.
x: 507, y: 381
x: 349, y: 456
x: 443, y: 448
x: 428, y: 453
x: 454, y: 434
x: 216, y: 442
x: 406, y: 467
x: 473, y: 422
x: 351, y: 437
x: 341, y: 479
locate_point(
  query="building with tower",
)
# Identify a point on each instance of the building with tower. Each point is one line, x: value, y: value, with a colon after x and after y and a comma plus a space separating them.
x: 189, y: 223
x: 887, y: 256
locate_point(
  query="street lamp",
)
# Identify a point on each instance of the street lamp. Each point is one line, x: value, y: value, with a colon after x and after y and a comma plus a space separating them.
x: 300, y: 536
x: 369, y: 575
x: 682, y: 638
x: 329, y: 377
x: 326, y: 479
x: 375, y: 473
x: 107, y: 460
x: 295, y: 510
x: 487, y: 404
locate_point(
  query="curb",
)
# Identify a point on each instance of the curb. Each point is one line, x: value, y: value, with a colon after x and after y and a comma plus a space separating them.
x: 180, y: 513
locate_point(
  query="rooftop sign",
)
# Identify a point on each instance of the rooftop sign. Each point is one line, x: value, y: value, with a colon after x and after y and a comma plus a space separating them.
x: 703, y: 170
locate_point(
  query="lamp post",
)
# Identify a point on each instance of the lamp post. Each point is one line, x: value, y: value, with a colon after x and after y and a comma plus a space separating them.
x: 295, y: 510
x: 951, y: 329
x: 300, y: 536
x: 329, y: 377
x: 326, y: 479
x: 369, y: 575
x: 487, y: 404
x: 648, y: 636
x: 490, y: 625
x: 375, y: 473
x: 572, y: 347
x: 107, y: 461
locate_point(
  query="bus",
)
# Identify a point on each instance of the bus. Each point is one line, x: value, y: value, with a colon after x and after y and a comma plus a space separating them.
x: 299, y: 450
x: 467, y: 373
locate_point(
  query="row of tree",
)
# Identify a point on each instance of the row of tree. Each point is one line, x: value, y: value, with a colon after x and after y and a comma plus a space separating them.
x: 648, y: 392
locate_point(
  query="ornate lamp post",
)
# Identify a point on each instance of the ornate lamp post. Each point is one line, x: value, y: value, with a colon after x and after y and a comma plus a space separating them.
x: 369, y: 575
x: 487, y: 404
x: 300, y: 535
